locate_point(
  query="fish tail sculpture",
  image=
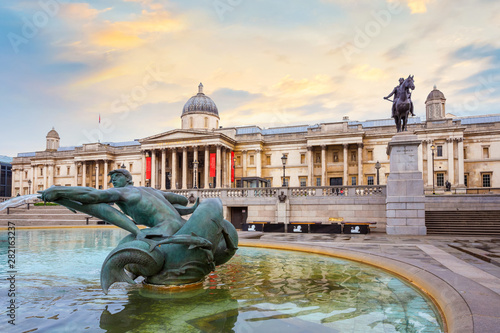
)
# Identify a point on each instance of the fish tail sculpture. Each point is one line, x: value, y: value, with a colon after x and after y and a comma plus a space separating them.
x: 134, y: 255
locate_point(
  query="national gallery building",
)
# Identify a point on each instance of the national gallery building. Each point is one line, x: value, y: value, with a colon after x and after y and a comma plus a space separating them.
x: 201, y: 154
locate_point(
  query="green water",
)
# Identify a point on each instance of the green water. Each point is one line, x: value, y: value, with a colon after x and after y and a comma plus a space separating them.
x: 259, y: 290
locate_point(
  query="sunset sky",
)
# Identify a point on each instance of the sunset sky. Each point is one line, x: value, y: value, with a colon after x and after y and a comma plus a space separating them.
x: 267, y: 63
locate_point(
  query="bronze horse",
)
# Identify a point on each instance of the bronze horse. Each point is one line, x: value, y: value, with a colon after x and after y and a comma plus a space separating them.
x: 403, y: 104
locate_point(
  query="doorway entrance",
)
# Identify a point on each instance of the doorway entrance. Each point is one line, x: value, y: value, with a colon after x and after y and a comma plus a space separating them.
x: 239, y: 216
x: 336, y: 181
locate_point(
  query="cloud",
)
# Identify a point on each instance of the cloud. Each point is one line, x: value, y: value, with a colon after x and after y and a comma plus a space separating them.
x: 79, y: 11
x: 367, y: 73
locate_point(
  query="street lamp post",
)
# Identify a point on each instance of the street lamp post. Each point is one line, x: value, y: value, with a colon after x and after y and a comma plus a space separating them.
x: 432, y: 149
x: 29, y: 186
x: 378, y: 166
x: 283, y: 160
x: 195, y: 163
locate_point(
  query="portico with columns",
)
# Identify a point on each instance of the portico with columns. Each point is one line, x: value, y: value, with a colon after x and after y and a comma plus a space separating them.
x: 180, y: 159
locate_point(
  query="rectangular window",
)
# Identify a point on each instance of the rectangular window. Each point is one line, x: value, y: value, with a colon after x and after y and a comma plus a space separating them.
x: 287, y: 181
x: 439, y: 151
x: 302, y: 158
x: 486, y: 152
x: 440, y: 179
x: 466, y: 180
x: 41, y: 171
x: 252, y: 160
x: 318, y: 181
x: 268, y: 159
x: 370, y: 180
x: 269, y: 181
x: 486, y: 179
x: 238, y: 183
x: 353, y: 181
x: 303, y: 181
x: 335, y: 156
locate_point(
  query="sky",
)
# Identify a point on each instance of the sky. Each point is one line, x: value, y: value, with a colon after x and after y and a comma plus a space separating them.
x: 270, y: 63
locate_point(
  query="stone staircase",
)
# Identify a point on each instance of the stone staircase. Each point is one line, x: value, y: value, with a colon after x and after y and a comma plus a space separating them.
x: 466, y: 223
x: 44, y: 216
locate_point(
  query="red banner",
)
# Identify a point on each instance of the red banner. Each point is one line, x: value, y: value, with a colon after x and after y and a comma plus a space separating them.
x: 232, y: 167
x: 213, y: 161
x: 148, y: 167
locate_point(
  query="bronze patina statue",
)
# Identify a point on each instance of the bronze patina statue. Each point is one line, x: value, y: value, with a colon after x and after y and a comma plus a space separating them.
x: 402, y: 104
x: 171, y: 251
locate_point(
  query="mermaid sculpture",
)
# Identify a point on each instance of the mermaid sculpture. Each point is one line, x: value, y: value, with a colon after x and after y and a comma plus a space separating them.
x: 171, y: 251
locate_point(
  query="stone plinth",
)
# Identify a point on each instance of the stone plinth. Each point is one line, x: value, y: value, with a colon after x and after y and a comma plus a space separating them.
x: 405, y: 203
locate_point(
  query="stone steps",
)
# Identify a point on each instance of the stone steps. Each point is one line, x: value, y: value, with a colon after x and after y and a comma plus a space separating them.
x: 44, y: 215
x: 473, y: 223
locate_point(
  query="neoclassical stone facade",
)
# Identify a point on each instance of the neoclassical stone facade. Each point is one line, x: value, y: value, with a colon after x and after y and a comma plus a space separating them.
x: 467, y: 153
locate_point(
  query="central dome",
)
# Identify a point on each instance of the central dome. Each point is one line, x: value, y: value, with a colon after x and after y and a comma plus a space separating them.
x: 200, y: 103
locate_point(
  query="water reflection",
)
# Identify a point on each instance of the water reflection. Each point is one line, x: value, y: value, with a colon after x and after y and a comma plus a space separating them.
x: 257, y: 291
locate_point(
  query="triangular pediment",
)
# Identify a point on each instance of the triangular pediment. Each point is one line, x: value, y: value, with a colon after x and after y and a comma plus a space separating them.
x: 180, y: 135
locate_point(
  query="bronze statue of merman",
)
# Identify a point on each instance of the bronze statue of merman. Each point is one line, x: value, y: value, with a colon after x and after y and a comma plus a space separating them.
x: 172, y: 250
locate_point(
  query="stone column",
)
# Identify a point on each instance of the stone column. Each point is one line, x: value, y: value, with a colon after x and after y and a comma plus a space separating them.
x: 34, y: 175
x: 310, y: 166
x: 50, y: 175
x: 224, y: 167
x: 346, y: 166
x: 420, y: 158
x: 21, y: 188
x: 323, y: 165
x: 153, y: 168
x: 218, y: 168
x: 258, y: 161
x: 451, y: 161
x: 84, y: 173
x: 244, y: 158
x: 207, y: 166
x: 76, y: 174
x: 143, y: 168
x: 163, y: 169
x: 173, y: 184
x: 405, y: 202
x: 45, y: 176
x: 195, y: 170
x: 461, y: 162
x: 105, y: 176
x: 184, y: 167
x: 97, y: 174
x: 430, y: 175
x: 360, y: 164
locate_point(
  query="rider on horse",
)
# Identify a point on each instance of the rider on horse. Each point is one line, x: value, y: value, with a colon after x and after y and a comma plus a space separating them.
x: 395, y: 92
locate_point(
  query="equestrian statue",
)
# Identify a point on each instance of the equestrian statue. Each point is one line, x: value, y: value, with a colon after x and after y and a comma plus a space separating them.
x: 402, y: 105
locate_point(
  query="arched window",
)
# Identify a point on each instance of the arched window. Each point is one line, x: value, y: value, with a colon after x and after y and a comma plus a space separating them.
x: 190, y: 122
x: 206, y: 122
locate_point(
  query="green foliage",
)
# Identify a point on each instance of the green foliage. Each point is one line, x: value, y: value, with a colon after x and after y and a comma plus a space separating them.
x: 45, y: 204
